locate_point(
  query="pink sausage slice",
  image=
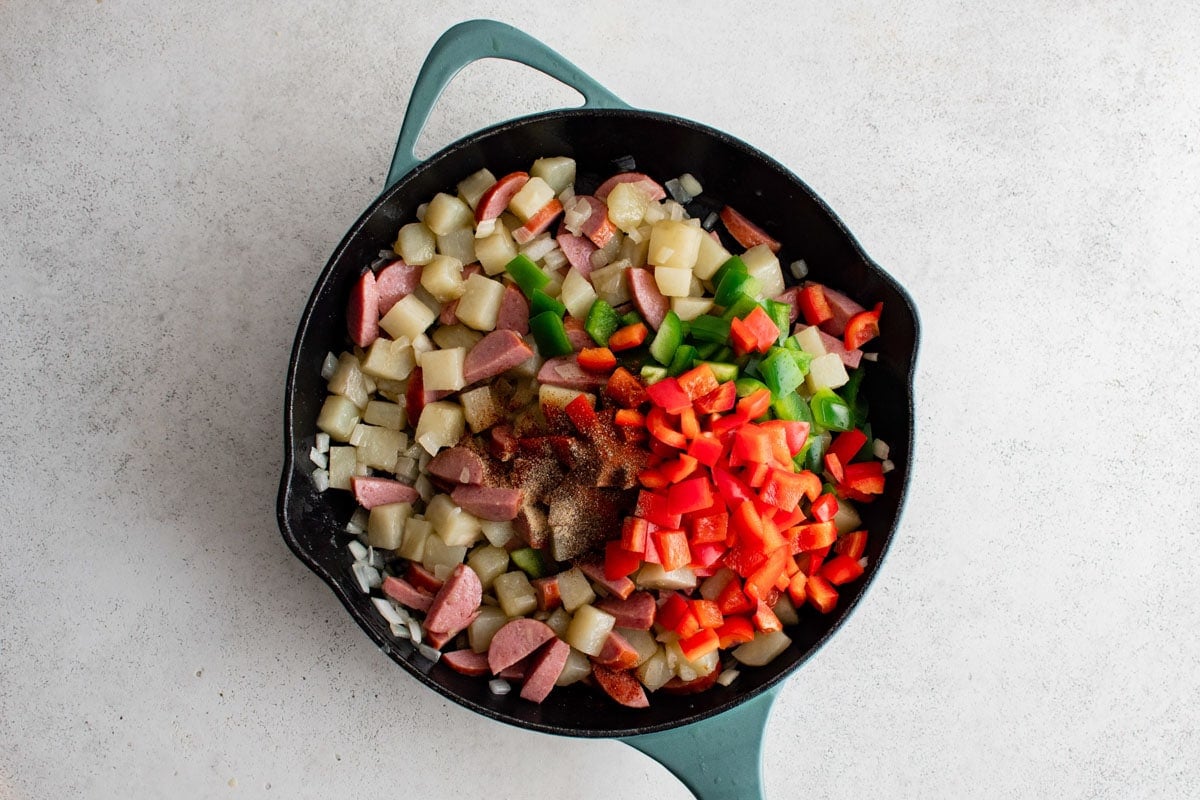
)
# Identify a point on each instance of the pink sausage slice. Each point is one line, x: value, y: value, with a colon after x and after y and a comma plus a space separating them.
x: 538, y: 223
x: 594, y: 569
x: 565, y: 371
x: 648, y: 185
x: 578, y: 251
x: 496, y: 197
x: 456, y: 603
x: 362, y: 315
x: 406, y: 594
x: 516, y: 640
x: 646, y: 296
x: 449, y: 313
x: 514, y: 311
x: 792, y: 298
x: 396, y: 281
x: 495, y: 353
x: 457, y: 465
x: 597, y: 227
x: 493, y: 503
x: 466, y: 662
x: 371, y: 492
x: 620, y: 686
x: 636, y: 611
x: 843, y: 309
x: 576, y: 334
x: 617, y: 652
x: 544, y: 671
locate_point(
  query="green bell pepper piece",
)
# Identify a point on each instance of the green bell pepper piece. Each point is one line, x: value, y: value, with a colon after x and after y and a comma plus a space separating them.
x: 602, y: 322
x: 780, y: 372
x: 529, y: 561
x: 540, y: 302
x: 791, y: 406
x: 667, y: 339
x: 748, y: 386
x: 733, y: 264
x: 812, y: 456
x: 631, y: 318
x: 722, y: 371
x: 706, y: 350
x: 681, y: 362
x: 741, y: 308
x: 735, y: 285
x: 830, y: 411
x: 550, y: 335
x: 780, y: 314
x: 526, y: 274
x: 653, y: 374
x: 710, y: 329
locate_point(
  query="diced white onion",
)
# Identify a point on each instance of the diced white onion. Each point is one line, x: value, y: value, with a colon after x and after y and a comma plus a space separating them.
x: 888, y: 465
x: 329, y: 366
x: 599, y: 259
x: 636, y: 236
x: 577, y: 213
x: 799, y: 268
x: 710, y: 221
x: 424, y: 487
x: 881, y: 449
x: 367, y: 576
x: 320, y: 479
x: 431, y: 653
x: 675, y: 211
x: 358, y: 550
x: 555, y: 259
x: 318, y: 458
x: 625, y: 163
x: 374, y: 558
x: 406, y: 467
x: 537, y: 249
x: 321, y: 440
x: 690, y: 185
x: 677, y: 192
x: 400, y: 631
x: 870, y: 356
x: 499, y: 686
x: 566, y: 195
x: 386, y: 610
x: 485, y: 229
x: 358, y: 520
x: 414, y: 630
x: 727, y: 677
x: 862, y: 562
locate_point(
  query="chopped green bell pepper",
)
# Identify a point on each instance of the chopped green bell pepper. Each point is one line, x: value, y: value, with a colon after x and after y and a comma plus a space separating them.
x: 540, y: 302
x: 780, y: 372
x: 667, y: 339
x: 722, y: 371
x: 830, y: 411
x: 602, y: 321
x: 735, y: 285
x: 733, y: 264
x: 791, y: 406
x: 652, y: 374
x: 550, y: 335
x: 748, y: 386
x: 526, y: 274
x: 780, y: 314
x: 710, y: 329
x: 681, y: 362
x: 529, y: 561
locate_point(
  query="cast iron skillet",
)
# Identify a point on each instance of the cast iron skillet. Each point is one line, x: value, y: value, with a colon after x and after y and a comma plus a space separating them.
x: 712, y: 740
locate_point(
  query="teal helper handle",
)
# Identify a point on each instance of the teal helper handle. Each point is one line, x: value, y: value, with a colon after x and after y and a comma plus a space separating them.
x: 466, y: 43
x: 719, y: 758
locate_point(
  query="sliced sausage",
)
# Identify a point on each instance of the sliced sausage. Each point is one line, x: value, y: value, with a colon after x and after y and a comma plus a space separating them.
x: 650, y: 302
x: 578, y: 251
x: 495, y: 353
x: 843, y: 309
x: 620, y: 686
x: 423, y: 579
x: 493, y: 503
x: 679, y: 686
x: 746, y: 232
x: 650, y: 187
x: 457, y: 465
x: 406, y: 594
x: 371, y: 492
x: 544, y: 670
x: 594, y: 569
x: 617, y: 652
x: 362, y: 315
x: 466, y: 662
x: 565, y: 371
x: 548, y: 596
x: 532, y: 525
x: 395, y: 282
x: 636, y: 611
x: 449, y: 313
x: 514, y: 641
x: 438, y: 639
x: 538, y: 223
x: 456, y: 603
x: 503, y: 442
x: 514, y: 311
x: 791, y: 297
x: 496, y: 197
x: 597, y: 227
x: 576, y: 335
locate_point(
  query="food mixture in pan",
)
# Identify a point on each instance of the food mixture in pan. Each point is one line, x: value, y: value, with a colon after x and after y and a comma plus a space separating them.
x: 588, y: 442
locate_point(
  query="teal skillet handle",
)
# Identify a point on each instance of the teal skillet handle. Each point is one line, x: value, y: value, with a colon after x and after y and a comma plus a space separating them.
x: 466, y: 43
x: 719, y: 758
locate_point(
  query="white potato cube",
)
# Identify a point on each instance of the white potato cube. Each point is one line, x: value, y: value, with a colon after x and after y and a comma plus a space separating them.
x: 557, y: 397
x: 575, y: 589
x: 408, y: 319
x: 441, y: 425
x: 442, y: 370
x: 481, y: 409
x: 489, y: 563
x: 495, y: 250
x: 442, y: 278
x: 342, y: 463
x: 653, y: 576
x: 577, y: 294
x: 673, y: 281
x: 810, y: 341
x: 534, y: 195
x: 479, y: 306
x: 458, y: 243
x: 458, y: 335
x: 338, y: 417
x: 348, y: 380
x: 827, y: 372
x: 497, y: 533
x: 763, y: 650
x: 674, y: 243
x: 641, y: 641
x: 627, y: 205
x: 446, y: 212
x: 709, y: 257
x: 515, y: 593
x: 635, y: 247
x: 378, y: 448
x: 611, y: 284
x: 654, y: 672
x: 577, y: 668
x: 484, y: 627
x: 558, y: 172
x: 384, y: 414
x: 762, y: 264
x: 441, y: 558
x: 688, y: 308
x: 588, y: 629
x: 416, y: 532
x: 472, y: 187
x: 389, y: 360
x: 415, y: 243
x: 456, y: 527
x: 385, y: 526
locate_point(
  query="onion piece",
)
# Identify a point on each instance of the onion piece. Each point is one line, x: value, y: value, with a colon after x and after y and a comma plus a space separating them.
x: 431, y: 653
x: 727, y: 677
x: 799, y: 268
x: 321, y: 441
x: 399, y: 631
x: 320, y: 479
x: 387, y: 610
x: 710, y: 221
x: 881, y: 449
x: 537, y: 249
x: 329, y: 366
x: 499, y: 686
x: 625, y: 163
x: 414, y: 630
x: 677, y: 192
x: 318, y: 458
x: 888, y: 465
x: 367, y: 576
x: 358, y: 550
x: 690, y: 185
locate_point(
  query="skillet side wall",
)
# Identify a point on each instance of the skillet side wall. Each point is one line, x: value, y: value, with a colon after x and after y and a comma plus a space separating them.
x: 663, y: 147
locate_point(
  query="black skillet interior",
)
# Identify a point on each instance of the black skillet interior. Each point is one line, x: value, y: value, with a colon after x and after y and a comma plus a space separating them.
x: 664, y: 147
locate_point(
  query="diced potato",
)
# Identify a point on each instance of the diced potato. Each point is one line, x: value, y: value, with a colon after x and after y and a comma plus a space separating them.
x: 846, y: 519
x: 515, y: 593
x: 442, y: 370
x: 634, y: 249
x: 415, y: 243
x: 479, y: 306
x: 642, y: 641
x: 338, y: 417
x: 446, y: 212
x: 654, y: 672
x: 385, y: 526
x: 458, y: 243
x: 384, y: 414
x: 558, y: 621
x: 347, y: 380
x: 531, y: 199
x: 575, y: 589
x: 557, y: 397
x: 389, y: 360
x: 441, y: 425
x: 441, y: 558
x: 484, y: 627
x: 577, y: 668
x: 457, y: 335
x: 688, y: 308
x: 342, y: 462
x: 472, y: 187
x: 709, y: 257
x: 481, y: 409
x: 558, y: 172
x: 653, y: 576
x: 809, y: 340
x: 442, y: 277
x: 378, y: 448
x: 826, y: 372
x: 588, y: 629
x: 674, y: 244
x: 627, y: 206
x: 611, y: 284
x: 785, y: 610
x: 763, y: 650
x: 497, y: 533
x: 488, y: 562
x: 408, y: 319
x: 456, y: 527
x: 495, y: 250
x: 691, y: 670
x: 762, y: 264
x: 673, y: 282
x: 577, y: 294
x: 416, y: 532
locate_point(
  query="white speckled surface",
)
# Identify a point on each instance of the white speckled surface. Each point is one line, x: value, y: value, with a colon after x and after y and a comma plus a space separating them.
x: 174, y: 175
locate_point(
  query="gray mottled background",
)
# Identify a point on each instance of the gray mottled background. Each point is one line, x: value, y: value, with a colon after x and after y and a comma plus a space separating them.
x: 174, y: 175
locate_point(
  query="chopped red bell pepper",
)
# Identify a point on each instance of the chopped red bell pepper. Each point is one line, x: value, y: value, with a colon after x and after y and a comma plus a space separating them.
x: 735, y: 631
x: 660, y: 429
x: 847, y: 445
x: 728, y: 424
x: 751, y: 445
x: 712, y: 528
x: 824, y: 508
x: 689, y: 426
x: 742, y: 337
x: 706, y: 449
x: 747, y: 523
x: 785, y: 519
x: 699, y: 644
x: 841, y: 569
x: 629, y: 418
x: 732, y: 600
x: 672, y: 610
x: 655, y: 508
x: 862, y: 327
x: 707, y: 612
x: 753, y: 406
x: 634, y: 531
x: 797, y: 590
x: 763, y: 579
x: 698, y: 381
x: 821, y: 594
x: 705, y: 555
x: 756, y: 475
x: 852, y: 544
x: 744, y: 558
x: 676, y: 469
x: 628, y: 337
x: 668, y: 395
x: 672, y: 546
x: 813, y: 304
x: 721, y: 399
x: 865, y: 477
x: 795, y: 433
x: 597, y: 359
x: 765, y: 619
x: 732, y: 489
x: 582, y: 415
x: 812, y: 536
x: 619, y: 562
x: 834, y: 464
x: 784, y: 489
x: 625, y: 389
x: 690, y: 495
x: 764, y: 329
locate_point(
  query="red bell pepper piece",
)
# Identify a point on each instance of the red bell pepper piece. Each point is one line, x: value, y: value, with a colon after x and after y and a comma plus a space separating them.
x: 619, y: 562
x: 797, y: 589
x: 742, y: 337
x: 690, y: 495
x: 764, y: 329
x: 730, y: 487
x: 712, y: 528
x: 862, y: 327
x: 625, y: 389
x: 760, y: 583
x: 810, y: 562
x: 672, y: 610
x: 732, y: 600
x: 634, y: 531
x: 784, y: 489
x: 629, y: 418
x: 660, y: 429
x: 728, y: 424
x: 744, y: 559
x: 751, y: 445
x: 653, y: 478
x: 821, y: 594
x: 841, y: 569
x: 735, y: 631
x: 699, y: 644
x: 756, y: 475
x: 789, y: 518
x: 813, y: 305
x: 765, y: 619
x: 689, y: 426
x: 852, y: 544
x: 865, y: 477
x: 834, y: 464
x: 747, y: 523
x: 676, y: 469
x: 655, y: 508
x: 672, y: 546
x: 597, y: 359
x: 706, y: 555
x: 846, y: 445
x: 668, y: 395
x: 698, y: 381
x: 812, y: 536
x: 795, y: 433
x: 824, y: 508
x: 721, y: 399
x: 706, y: 449
x: 753, y: 406
x: 582, y: 415
x: 707, y: 612
x: 628, y: 337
